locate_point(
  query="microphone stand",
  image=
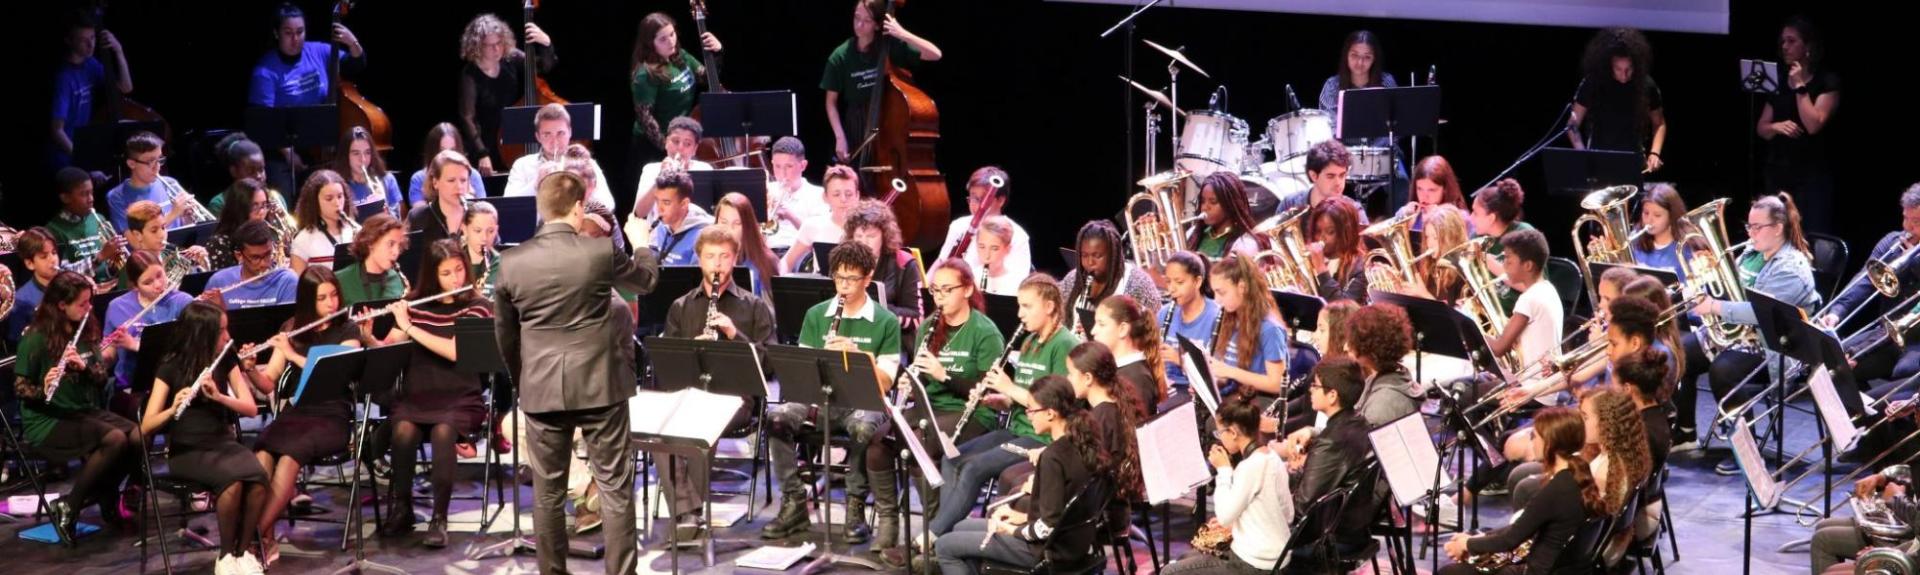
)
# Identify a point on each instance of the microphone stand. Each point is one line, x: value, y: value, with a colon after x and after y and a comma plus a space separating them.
x: 1126, y: 63
x: 1552, y: 134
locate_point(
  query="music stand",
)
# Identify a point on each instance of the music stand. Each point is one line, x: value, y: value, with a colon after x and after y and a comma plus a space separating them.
x: 378, y: 376
x: 793, y: 295
x: 144, y: 368
x: 677, y: 280
x: 1301, y: 311
x: 99, y: 145
x: 1759, y: 76
x: 710, y: 185
x: 748, y: 114
x: 828, y: 379
x: 1389, y: 113
x: 1573, y: 172
x: 191, y: 235
x: 343, y: 256
x: 1440, y: 329
x: 1004, y: 310
x: 496, y: 185
x: 195, y: 284
x: 296, y: 126
x: 381, y: 325
x: 1784, y: 330
x: 367, y: 210
x: 714, y: 366
x: 19, y: 268
x: 517, y: 125
x: 519, y: 217
x: 100, y: 303
x: 256, y: 324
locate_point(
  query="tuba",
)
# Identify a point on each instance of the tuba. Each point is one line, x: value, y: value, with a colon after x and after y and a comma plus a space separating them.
x: 1156, y: 232
x: 1712, y: 271
x: 1480, y: 296
x: 1390, y: 267
x: 1609, y: 208
x: 1285, y: 263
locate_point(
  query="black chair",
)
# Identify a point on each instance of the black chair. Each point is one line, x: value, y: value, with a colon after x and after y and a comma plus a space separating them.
x: 1086, y: 511
x: 1586, y: 543
x: 1569, y: 281
x: 1829, y: 262
x: 1642, y: 551
x: 1320, y: 517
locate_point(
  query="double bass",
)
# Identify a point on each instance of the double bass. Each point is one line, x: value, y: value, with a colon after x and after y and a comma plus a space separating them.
x: 721, y: 152
x: 535, y: 91
x: 117, y: 107
x: 897, y: 150
x: 355, y: 109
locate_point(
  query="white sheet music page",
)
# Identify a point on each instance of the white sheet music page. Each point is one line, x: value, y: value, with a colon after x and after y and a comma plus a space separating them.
x: 1746, y: 451
x: 1832, y: 412
x: 1407, y: 458
x: 1194, y: 360
x: 688, y: 413
x: 1170, y: 458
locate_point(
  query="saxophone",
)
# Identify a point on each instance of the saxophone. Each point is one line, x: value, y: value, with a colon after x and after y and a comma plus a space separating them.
x: 1213, y: 539
x: 1495, y: 561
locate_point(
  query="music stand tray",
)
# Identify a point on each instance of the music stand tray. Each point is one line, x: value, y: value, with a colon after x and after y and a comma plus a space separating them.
x: 715, y: 366
x: 737, y: 114
x: 1388, y: 112
x: 710, y: 185
x: 1301, y: 311
x: 519, y: 216
x: 297, y: 126
x: 191, y: 235
x: 828, y: 379
x: 1004, y: 310
x: 1577, y: 172
x: 517, y: 126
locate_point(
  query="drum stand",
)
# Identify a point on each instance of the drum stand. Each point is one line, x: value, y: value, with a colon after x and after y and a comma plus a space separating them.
x: 1152, y: 147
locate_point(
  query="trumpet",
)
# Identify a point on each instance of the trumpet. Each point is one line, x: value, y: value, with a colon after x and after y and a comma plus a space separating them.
x: 1285, y: 263
x: 1157, y: 232
x: 196, y: 212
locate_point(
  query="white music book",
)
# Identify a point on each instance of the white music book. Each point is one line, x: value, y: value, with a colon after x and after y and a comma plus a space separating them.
x: 1408, y: 458
x: 1827, y: 400
x: 688, y: 413
x: 1198, y: 376
x: 773, y: 558
x: 1746, y: 451
x: 1170, y: 458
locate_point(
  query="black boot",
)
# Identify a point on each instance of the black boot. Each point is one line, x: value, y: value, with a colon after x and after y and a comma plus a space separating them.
x: 858, y: 531
x: 436, y: 533
x: 886, y: 505
x: 791, y: 520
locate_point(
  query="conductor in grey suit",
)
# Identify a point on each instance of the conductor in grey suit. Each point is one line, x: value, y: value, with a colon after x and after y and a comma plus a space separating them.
x: 571, y: 350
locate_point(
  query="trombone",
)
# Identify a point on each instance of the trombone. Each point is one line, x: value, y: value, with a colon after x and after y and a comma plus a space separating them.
x: 1565, y: 364
x: 1884, y: 275
x: 1800, y: 513
x: 1892, y: 330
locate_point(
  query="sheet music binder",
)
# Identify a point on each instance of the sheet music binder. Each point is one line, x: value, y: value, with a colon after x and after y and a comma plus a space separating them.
x: 1407, y: 458
x: 1171, y: 462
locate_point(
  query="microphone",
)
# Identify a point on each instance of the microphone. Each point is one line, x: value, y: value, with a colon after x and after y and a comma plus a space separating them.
x: 1432, y: 70
x: 1293, y: 101
x: 1213, y: 102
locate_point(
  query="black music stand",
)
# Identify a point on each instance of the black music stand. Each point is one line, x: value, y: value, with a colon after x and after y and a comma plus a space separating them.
x: 296, y: 126
x: 827, y: 379
x: 1004, y: 310
x: 519, y: 216
x: 256, y: 324
x: 793, y: 295
x: 748, y: 114
x: 1784, y: 330
x: 1301, y: 311
x: 710, y: 185
x: 19, y: 268
x: 381, y: 325
x: 675, y: 281
x: 191, y: 235
x: 144, y: 369
x: 98, y: 146
x: 343, y: 256
x: 195, y: 283
x: 517, y: 126
x: 1576, y: 172
x: 715, y: 366
x: 1389, y: 113
x: 100, y: 303
x: 496, y: 185
x: 378, y: 375
x: 367, y: 210
x: 1440, y: 329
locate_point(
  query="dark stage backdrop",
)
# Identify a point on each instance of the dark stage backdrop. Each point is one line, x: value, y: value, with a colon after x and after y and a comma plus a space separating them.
x: 1026, y: 85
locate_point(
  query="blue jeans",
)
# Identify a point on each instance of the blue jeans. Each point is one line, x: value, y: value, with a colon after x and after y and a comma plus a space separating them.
x: 959, y: 550
x: 980, y: 459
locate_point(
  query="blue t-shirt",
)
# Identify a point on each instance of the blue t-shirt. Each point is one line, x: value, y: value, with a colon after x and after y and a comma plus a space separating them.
x: 678, y: 249
x: 418, y: 184
x: 363, y: 193
x: 126, y: 306
x: 124, y: 195
x: 1667, y: 258
x: 1273, y: 347
x: 275, y: 289
x: 1171, y: 326
x: 303, y: 82
x: 73, y: 88
x: 25, y: 299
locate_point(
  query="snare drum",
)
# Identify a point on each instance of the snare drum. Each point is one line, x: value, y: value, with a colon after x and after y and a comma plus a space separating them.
x: 1370, y: 164
x: 1211, y: 141
x: 1294, y: 133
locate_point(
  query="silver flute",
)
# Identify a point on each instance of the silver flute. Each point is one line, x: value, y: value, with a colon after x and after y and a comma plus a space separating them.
x: 980, y: 388
x: 181, y: 409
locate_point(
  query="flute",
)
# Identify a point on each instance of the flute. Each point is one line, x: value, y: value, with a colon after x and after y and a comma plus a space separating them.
x: 382, y: 312
x: 315, y: 324
x: 59, y: 369
x: 181, y: 409
x: 255, y: 278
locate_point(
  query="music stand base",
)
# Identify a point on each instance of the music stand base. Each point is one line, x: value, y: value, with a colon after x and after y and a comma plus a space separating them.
x: 1794, y: 546
x: 369, y: 566
x: 826, y: 560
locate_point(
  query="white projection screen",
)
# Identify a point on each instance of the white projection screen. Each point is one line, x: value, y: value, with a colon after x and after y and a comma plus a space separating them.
x: 1698, y: 16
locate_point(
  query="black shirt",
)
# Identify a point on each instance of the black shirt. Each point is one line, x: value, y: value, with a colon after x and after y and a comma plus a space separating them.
x: 900, y: 277
x: 1550, y: 520
x: 1806, y: 154
x: 1659, y: 436
x: 1332, y: 456
x: 425, y: 225
x: 1614, y: 120
x: 1137, y: 376
x: 482, y: 98
x: 752, y: 317
x: 1059, y: 476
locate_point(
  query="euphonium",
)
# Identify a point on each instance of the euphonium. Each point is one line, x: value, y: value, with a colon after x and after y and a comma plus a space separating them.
x: 1495, y: 561
x: 1156, y: 232
x: 1712, y: 271
x: 1390, y: 266
x: 1480, y: 295
x: 1886, y: 275
x: 1285, y: 261
x: 1609, y: 208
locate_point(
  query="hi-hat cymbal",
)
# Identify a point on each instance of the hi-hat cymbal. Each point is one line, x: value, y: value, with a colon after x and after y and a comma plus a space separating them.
x: 1177, y: 57
x: 1156, y: 95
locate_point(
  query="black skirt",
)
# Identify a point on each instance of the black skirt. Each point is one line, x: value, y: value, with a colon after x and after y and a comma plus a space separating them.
x: 215, y: 466
x: 309, y: 432
x: 77, y: 435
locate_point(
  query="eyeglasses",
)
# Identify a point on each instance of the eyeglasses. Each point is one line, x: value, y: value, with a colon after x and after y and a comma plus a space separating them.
x: 1753, y: 227
x: 1222, y: 433
x: 256, y: 257
x: 840, y: 278
x: 944, y: 290
x: 156, y: 162
x: 1032, y: 411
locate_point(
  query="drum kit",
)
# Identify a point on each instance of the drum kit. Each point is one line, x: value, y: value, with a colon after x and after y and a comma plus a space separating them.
x: 1212, y: 140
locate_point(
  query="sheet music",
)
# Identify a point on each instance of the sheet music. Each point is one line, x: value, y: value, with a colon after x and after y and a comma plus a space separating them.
x: 1195, y: 368
x: 1407, y: 458
x: 1747, y: 452
x: 1170, y: 458
x: 928, y: 468
x: 773, y: 558
x: 1827, y: 400
x: 688, y: 413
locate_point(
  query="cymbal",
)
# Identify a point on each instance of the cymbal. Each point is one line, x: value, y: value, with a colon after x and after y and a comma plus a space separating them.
x: 1163, y: 178
x: 1156, y: 95
x: 1177, y: 57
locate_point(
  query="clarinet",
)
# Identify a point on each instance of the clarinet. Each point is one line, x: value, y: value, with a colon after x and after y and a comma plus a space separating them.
x: 839, y: 310
x: 708, y: 332
x: 980, y: 389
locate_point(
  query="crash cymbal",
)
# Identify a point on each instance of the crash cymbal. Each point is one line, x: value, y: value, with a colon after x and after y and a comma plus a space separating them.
x: 1177, y: 57
x: 1156, y: 95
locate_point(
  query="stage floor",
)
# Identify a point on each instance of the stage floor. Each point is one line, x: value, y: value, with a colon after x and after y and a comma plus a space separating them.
x: 1706, y: 509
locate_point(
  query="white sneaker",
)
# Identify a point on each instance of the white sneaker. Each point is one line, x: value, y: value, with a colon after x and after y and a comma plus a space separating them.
x: 1685, y: 446
x: 223, y: 565
x: 247, y: 564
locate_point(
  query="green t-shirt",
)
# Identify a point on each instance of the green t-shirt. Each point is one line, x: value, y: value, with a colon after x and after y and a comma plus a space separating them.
x: 78, y: 391
x: 670, y: 98
x: 1750, y: 265
x: 1212, y: 246
x: 80, y: 240
x: 356, y: 287
x: 851, y: 73
x: 879, y: 336
x: 1037, y: 360
x: 971, y: 350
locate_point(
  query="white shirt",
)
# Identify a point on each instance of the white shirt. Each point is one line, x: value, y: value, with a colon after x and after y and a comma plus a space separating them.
x: 1006, y: 283
x: 524, y: 180
x: 313, y: 245
x: 806, y: 203
x: 651, y: 172
x: 1256, y: 502
x: 1019, y: 260
x: 816, y: 230
x: 1541, y: 304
